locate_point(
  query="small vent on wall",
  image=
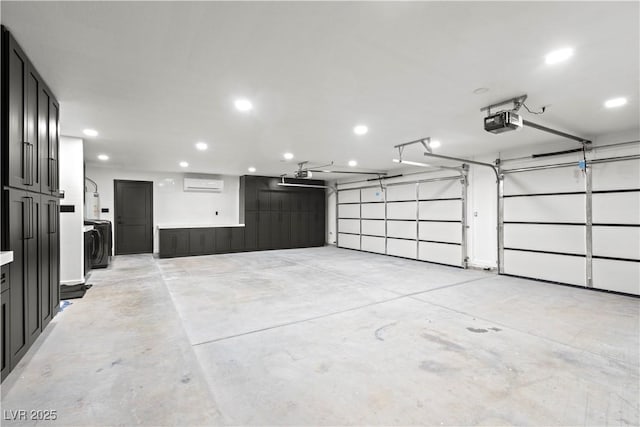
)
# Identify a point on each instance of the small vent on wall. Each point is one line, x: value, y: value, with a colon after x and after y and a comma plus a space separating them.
x: 203, y: 185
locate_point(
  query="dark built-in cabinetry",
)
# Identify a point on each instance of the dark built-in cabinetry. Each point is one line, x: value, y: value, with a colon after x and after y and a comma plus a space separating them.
x: 274, y: 217
x: 30, y: 206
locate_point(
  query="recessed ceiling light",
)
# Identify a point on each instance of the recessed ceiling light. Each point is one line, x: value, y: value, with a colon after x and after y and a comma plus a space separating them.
x: 360, y: 130
x: 243, y: 105
x: 201, y: 146
x: 353, y: 163
x: 615, y: 102
x: 434, y: 143
x: 558, y: 56
x: 288, y: 156
x: 184, y: 164
x: 103, y: 157
x: 252, y: 169
x: 90, y: 132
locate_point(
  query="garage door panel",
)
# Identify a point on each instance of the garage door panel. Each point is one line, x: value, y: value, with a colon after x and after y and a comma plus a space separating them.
x: 348, y: 211
x: 348, y: 196
x: 617, y: 242
x: 372, y: 195
x: 552, y: 238
x: 374, y: 228
x: 402, y: 229
x: 560, y: 208
x: 556, y: 268
x: 619, y: 276
x: 441, y: 231
x: 373, y: 210
x: 348, y: 241
x: 441, y: 253
x: 402, y: 248
x: 616, y: 175
x: 349, y: 226
x: 569, y: 179
x: 440, y: 189
x: 616, y: 208
x: 447, y: 210
x: 401, y: 192
x: 373, y: 244
x: 401, y: 210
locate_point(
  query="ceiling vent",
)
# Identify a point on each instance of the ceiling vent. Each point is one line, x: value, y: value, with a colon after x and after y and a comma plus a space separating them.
x: 203, y: 185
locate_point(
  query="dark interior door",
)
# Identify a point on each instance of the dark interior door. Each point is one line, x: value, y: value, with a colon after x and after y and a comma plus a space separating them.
x: 134, y: 217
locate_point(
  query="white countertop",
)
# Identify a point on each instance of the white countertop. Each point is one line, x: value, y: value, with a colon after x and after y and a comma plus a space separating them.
x: 86, y: 228
x: 6, y: 257
x: 165, y: 226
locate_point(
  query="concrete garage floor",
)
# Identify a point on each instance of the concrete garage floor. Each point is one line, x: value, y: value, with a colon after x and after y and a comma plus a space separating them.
x: 329, y: 336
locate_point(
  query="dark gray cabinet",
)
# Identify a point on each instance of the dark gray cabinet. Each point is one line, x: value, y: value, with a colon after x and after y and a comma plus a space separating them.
x: 201, y: 241
x: 49, y: 242
x: 251, y: 230
x: 237, y: 239
x: 275, y: 217
x: 5, y: 315
x: 278, y: 217
x: 174, y: 242
x: 223, y: 240
x: 30, y: 208
x: 21, y: 211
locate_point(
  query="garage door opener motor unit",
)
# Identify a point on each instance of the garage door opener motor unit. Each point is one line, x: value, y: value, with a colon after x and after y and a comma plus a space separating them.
x: 502, y: 122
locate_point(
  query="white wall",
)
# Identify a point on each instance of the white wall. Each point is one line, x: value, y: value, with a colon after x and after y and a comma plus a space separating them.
x: 71, y: 236
x: 172, y: 205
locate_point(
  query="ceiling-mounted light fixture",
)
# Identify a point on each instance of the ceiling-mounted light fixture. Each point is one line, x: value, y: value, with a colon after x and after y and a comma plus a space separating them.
x: 615, y: 102
x: 243, y: 105
x: 90, y: 132
x: 252, y: 169
x: 434, y: 143
x: 103, y: 157
x: 360, y: 130
x: 559, y: 55
x: 288, y: 156
x: 201, y: 146
x: 353, y: 163
x: 184, y: 164
x: 409, y: 162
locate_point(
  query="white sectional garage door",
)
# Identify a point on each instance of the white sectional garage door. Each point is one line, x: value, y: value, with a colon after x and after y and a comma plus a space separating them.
x: 616, y: 226
x: 565, y: 226
x: 418, y: 220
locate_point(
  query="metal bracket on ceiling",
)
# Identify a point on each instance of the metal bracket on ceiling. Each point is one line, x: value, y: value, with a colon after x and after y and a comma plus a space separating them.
x: 517, y: 101
x: 424, y: 141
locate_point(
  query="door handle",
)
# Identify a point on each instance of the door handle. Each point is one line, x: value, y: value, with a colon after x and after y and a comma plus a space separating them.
x: 27, y: 162
x: 54, y: 178
x: 27, y: 217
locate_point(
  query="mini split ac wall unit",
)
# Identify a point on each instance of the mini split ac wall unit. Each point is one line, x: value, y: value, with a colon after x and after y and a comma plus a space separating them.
x: 203, y: 185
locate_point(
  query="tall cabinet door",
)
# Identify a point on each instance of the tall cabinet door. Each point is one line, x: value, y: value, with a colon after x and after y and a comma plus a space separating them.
x: 53, y: 172
x: 25, y: 322
x: 54, y: 253
x: 48, y: 262
x: 15, y: 151
x: 48, y: 141
x: 21, y: 150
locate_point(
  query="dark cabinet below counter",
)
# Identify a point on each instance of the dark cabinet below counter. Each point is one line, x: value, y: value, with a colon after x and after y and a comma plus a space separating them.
x: 177, y: 242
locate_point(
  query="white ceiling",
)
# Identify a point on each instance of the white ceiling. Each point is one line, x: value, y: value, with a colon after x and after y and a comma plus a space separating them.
x: 155, y: 77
